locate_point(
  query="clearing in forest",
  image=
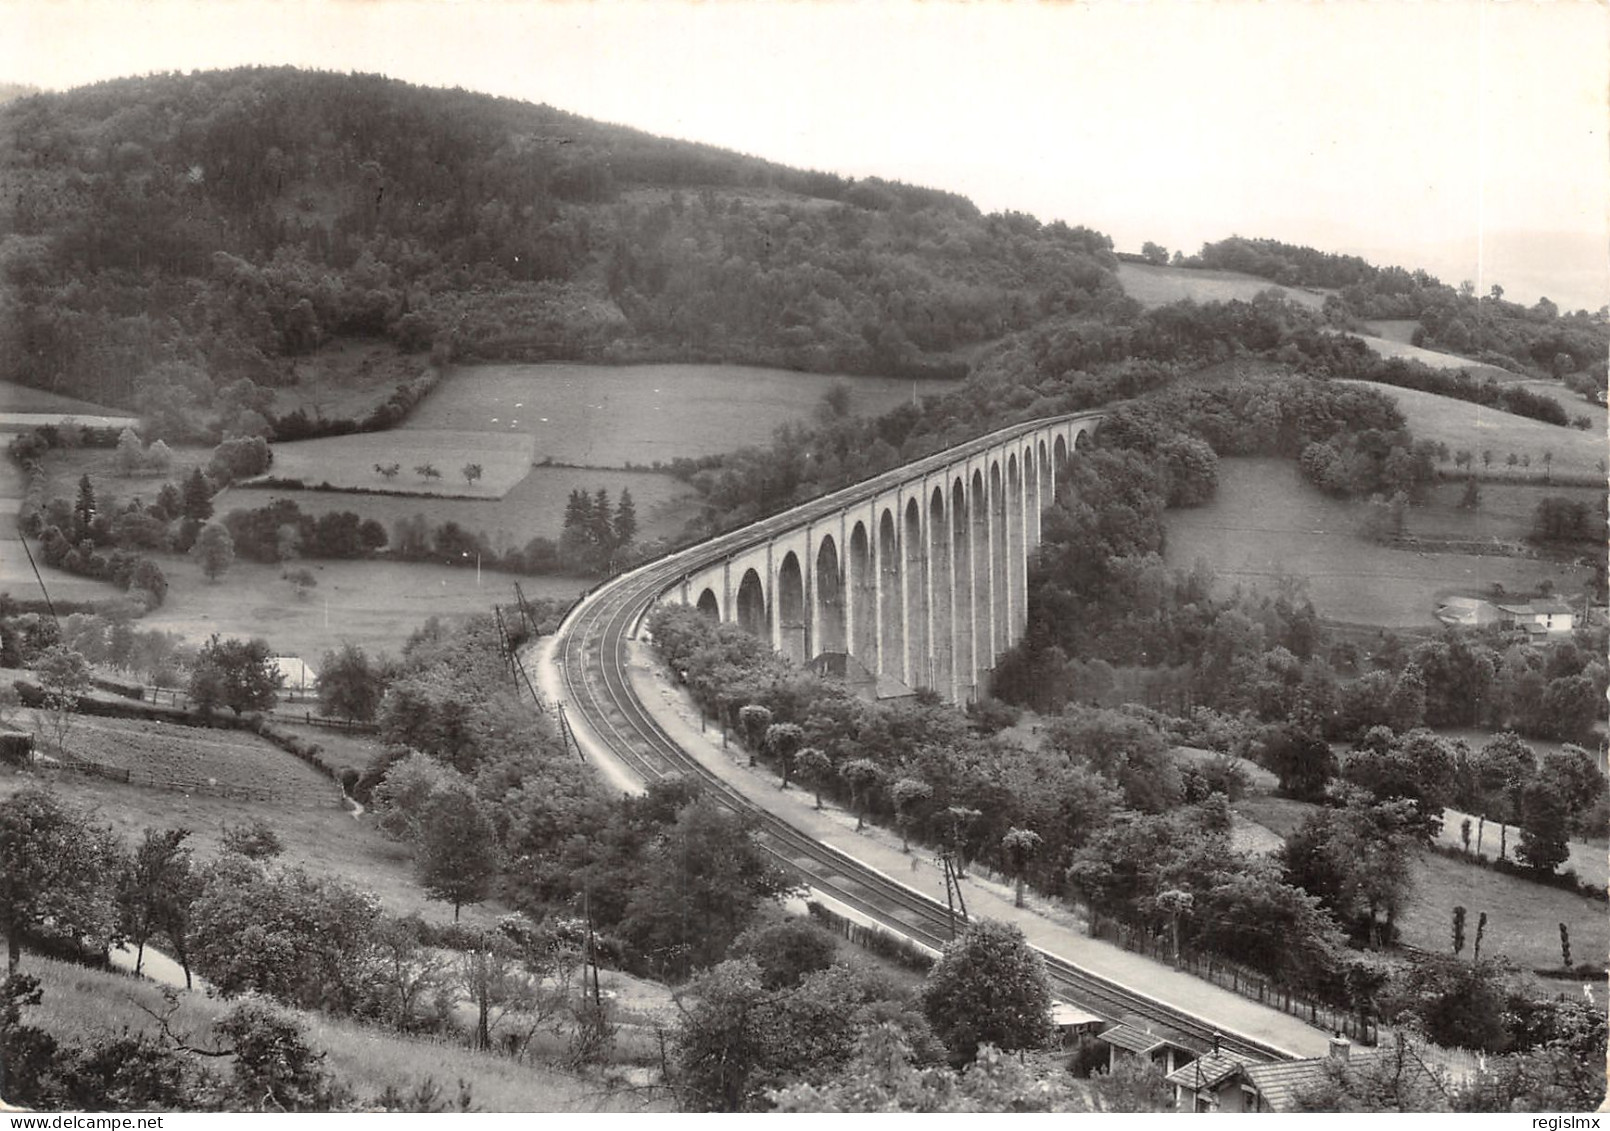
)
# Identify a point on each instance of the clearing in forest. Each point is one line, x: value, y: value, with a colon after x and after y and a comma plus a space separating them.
x: 1152, y: 286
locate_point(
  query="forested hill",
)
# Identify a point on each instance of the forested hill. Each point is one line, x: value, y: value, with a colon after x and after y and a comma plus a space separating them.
x: 223, y: 223
x: 1539, y: 339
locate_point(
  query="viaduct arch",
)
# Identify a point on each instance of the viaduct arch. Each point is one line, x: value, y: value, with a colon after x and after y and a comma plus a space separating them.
x: 915, y: 579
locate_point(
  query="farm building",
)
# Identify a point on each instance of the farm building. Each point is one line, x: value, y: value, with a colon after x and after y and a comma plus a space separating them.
x: 1468, y: 612
x: 1225, y: 1083
x: 1540, y: 618
x: 298, y: 679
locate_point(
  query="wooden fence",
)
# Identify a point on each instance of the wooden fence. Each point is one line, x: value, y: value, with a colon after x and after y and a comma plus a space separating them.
x: 1235, y: 978
x: 894, y: 947
x: 348, y: 725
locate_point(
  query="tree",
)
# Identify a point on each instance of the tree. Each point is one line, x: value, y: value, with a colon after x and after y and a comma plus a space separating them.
x: 196, y: 497
x: 472, y: 473
x: 988, y: 987
x: 64, y: 678
x: 56, y: 872
x: 255, y: 840
x: 727, y: 1038
x: 863, y: 776
x: 816, y: 768
x: 388, y: 471
x: 84, y: 509
x: 349, y: 686
x: 753, y: 719
x: 234, y: 673
x: 782, y: 741
x: 1155, y: 253
x: 1573, y: 772
x: 274, y: 1068
x: 130, y: 453
x: 1020, y: 845
x: 458, y: 849
x: 1458, y: 929
x: 153, y: 887
x: 427, y: 471
x: 786, y: 952
x: 1545, y: 827
x: 697, y: 887
x: 625, y: 519
x: 304, y: 940
x: 214, y: 549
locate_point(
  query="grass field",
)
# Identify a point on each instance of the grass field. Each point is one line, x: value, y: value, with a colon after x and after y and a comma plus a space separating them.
x: 373, y: 604
x: 612, y: 415
x: 533, y: 507
x: 1522, y: 917
x: 1506, y: 510
x: 1267, y: 523
x: 16, y: 398
x: 322, y: 837
x: 1475, y: 428
x: 1159, y: 286
x: 79, y: 1002
x: 349, y: 461
x: 195, y: 759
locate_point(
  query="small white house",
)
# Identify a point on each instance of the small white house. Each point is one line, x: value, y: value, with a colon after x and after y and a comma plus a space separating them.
x: 1541, y: 617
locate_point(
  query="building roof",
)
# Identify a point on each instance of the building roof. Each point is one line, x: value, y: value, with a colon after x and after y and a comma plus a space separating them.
x: 1539, y: 608
x: 1064, y: 1015
x: 1209, y: 1070
x: 1280, y: 1083
x: 1131, y: 1039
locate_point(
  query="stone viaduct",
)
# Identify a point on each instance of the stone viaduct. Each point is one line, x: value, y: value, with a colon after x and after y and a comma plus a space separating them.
x: 919, y: 575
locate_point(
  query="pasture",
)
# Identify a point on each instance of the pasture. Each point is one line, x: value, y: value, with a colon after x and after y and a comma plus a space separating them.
x: 614, y: 415
x: 1476, y: 428
x: 198, y: 760
x: 1267, y: 523
x: 534, y: 507
x: 1158, y: 286
x: 374, y: 604
x: 1505, y: 513
x: 350, y: 461
x: 1522, y: 917
x: 28, y: 401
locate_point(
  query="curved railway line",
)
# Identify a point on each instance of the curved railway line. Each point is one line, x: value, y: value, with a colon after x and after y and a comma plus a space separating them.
x: 592, y: 660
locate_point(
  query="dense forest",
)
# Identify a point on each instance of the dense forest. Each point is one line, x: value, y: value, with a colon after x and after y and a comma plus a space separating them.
x: 171, y: 236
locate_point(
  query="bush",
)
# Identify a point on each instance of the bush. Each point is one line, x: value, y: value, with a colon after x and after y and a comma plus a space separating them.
x: 256, y: 840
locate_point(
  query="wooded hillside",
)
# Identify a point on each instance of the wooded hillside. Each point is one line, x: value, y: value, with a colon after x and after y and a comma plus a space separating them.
x: 227, y: 222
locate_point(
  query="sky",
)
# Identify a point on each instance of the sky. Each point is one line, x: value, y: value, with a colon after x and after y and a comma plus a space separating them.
x: 1465, y: 136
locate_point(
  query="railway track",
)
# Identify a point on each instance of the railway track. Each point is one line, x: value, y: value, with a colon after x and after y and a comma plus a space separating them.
x: 592, y: 659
